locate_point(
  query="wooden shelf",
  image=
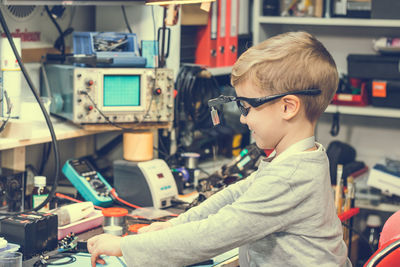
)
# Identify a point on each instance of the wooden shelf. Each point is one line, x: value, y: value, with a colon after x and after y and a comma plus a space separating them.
x: 365, y: 111
x: 66, y: 130
x: 347, y: 22
x: 133, y: 126
x: 220, y: 71
x: 362, y: 204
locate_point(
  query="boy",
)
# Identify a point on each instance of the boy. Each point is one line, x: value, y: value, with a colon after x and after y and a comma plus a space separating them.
x: 281, y: 215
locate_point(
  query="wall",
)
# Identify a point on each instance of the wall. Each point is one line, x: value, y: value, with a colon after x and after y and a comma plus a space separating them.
x: 373, y: 138
x: 39, y: 34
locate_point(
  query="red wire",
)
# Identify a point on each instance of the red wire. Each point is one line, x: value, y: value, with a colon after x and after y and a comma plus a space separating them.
x: 114, y: 193
x: 59, y: 195
x: 123, y: 201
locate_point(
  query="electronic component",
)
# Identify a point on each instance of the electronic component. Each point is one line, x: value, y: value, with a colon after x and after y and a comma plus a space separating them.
x: 385, y: 179
x: 35, y: 232
x: 89, y: 183
x: 104, y: 95
x: 148, y: 183
x: 12, y: 184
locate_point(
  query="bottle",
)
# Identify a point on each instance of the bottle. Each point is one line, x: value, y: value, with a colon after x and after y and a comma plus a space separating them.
x: 374, y: 228
x: 40, y: 193
x: 371, y: 233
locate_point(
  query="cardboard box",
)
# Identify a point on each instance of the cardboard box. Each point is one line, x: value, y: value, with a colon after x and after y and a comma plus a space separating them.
x: 193, y: 15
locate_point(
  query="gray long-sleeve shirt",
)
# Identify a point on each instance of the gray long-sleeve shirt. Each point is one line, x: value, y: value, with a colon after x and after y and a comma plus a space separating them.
x: 281, y: 215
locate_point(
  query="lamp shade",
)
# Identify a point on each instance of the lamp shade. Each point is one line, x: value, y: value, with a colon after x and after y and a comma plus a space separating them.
x: 176, y: 2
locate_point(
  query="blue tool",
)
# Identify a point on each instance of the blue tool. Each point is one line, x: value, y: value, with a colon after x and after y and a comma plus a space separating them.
x: 89, y: 183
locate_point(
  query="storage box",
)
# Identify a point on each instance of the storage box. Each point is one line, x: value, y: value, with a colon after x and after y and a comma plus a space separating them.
x: 373, y: 66
x: 385, y: 93
x: 385, y: 9
x: 123, y: 48
x: 360, y: 100
x: 193, y: 15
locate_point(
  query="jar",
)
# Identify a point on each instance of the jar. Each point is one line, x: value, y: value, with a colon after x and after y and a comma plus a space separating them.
x: 114, y: 220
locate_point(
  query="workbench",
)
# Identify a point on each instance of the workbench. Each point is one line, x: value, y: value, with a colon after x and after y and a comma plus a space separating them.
x: 13, y: 143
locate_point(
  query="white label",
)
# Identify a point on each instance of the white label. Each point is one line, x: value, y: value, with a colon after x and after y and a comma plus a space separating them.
x: 37, y: 200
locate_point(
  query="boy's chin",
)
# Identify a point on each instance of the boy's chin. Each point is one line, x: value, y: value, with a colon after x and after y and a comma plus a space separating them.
x: 268, y: 150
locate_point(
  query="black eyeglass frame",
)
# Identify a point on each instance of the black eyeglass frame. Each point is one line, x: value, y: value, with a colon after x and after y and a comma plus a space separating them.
x: 257, y: 101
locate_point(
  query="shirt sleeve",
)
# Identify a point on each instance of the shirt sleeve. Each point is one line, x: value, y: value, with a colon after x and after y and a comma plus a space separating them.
x: 214, y: 203
x: 252, y: 216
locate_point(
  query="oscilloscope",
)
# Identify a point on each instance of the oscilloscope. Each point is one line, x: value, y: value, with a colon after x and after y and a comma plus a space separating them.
x: 98, y: 95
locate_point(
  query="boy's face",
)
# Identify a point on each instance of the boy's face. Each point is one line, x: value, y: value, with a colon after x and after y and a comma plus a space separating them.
x: 264, y: 122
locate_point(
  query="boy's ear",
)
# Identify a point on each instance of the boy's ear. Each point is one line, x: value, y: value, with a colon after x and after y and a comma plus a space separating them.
x: 290, y: 106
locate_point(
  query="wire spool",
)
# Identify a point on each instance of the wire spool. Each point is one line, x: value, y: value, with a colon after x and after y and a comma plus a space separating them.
x: 138, y: 146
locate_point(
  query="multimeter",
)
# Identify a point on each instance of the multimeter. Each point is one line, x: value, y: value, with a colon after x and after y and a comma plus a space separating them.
x: 89, y: 183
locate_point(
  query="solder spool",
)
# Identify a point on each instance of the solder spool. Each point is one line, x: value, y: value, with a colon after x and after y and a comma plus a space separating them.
x: 138, y: 146
x: 114, y: 220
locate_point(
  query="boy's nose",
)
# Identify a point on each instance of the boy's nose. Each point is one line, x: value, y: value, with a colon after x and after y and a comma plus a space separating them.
x: 242, y: 119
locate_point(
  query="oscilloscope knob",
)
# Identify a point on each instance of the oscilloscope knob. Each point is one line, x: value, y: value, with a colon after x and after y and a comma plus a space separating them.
x: 89, y: 82
x: 157, y: 91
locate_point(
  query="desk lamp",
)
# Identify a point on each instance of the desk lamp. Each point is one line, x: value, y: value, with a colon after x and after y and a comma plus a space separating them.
x: 163, y: 30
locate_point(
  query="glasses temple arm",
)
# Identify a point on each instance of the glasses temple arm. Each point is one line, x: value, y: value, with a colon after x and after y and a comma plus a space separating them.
x: 222, y: 99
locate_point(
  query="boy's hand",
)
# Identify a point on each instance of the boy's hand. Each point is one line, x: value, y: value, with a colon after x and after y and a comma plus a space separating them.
x: 154, y: 227
x: 104, y: 244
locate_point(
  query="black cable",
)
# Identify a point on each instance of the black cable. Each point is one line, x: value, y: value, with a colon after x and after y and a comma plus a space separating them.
x: 60, y: 31
x: 203, y: 171
x: 191, y: 107
x: 372, y: 250
x: 126, y: 19
x: 45, y: 157
x: 9, y: 108
x: 46, y: 115
x: 335, y: 124
x: 49, y: 260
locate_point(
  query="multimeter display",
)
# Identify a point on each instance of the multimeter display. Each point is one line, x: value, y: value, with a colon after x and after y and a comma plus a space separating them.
x: 81, y: 167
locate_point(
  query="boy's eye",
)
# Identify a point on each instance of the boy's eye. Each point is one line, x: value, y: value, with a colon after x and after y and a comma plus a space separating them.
x: 244, y: 104
x: 242, y: 107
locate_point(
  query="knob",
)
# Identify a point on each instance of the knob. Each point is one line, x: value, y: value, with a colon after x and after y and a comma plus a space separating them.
x: 89, y: 82
x: 157, y: 91
x: 89, y: 108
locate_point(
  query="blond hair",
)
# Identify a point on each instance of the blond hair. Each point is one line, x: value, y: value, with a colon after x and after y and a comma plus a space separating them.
x: 289, y: 62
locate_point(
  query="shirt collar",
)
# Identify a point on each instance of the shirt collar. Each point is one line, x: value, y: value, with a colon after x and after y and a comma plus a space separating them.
x: 300, y: 146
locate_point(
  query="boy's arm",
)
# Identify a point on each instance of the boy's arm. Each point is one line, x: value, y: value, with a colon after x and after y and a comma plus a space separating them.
x: 211, y: 205
x: 252, y: 216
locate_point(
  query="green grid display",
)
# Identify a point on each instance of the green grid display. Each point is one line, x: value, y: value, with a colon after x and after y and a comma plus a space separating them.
x: 121, y: 90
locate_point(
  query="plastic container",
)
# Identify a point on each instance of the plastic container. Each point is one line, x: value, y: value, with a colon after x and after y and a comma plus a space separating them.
x: 11, y: 259
x: 114, y: 220
x: 94, y: 220
x: 124, y: 55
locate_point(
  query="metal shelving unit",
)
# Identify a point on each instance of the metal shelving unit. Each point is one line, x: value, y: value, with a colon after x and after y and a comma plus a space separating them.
x: 365, y: 111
